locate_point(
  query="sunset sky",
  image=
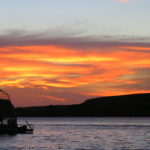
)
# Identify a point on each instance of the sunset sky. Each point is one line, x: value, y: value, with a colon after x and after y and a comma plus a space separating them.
x: 66, y: 51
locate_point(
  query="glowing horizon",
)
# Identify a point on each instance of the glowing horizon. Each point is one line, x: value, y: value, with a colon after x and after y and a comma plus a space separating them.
x: 104, y: 68
x: 64, y: 52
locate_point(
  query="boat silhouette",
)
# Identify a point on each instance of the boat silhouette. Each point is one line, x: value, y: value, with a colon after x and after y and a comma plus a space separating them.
x: 8, y: 117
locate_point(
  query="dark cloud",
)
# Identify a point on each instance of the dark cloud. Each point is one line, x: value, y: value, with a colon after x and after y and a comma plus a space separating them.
x: 24, y: 38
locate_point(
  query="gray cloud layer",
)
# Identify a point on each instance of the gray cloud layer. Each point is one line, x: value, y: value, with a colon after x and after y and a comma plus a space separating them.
x: 23, y: 38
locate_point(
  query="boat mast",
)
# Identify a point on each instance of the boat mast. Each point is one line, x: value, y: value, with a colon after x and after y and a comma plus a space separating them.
x: 10, y: 102
x: 6, y: 94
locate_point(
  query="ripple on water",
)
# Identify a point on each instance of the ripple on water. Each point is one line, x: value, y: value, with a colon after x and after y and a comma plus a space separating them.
x: 82, y: 134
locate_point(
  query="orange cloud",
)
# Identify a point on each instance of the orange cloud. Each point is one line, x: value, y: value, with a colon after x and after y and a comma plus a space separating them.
x: 54, y: 98
x: 80, y: 68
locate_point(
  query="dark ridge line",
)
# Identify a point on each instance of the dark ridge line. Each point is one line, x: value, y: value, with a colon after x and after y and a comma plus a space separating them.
x: 133, y: 105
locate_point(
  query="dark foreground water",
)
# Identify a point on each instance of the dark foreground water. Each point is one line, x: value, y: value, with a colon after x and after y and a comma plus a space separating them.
x: 82, y: 134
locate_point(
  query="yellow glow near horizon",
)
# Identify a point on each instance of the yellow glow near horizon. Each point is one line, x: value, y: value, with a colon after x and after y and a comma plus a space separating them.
x: 75, y: 70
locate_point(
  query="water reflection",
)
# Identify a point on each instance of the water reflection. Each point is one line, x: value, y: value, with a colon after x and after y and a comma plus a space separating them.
x: 82, y: 134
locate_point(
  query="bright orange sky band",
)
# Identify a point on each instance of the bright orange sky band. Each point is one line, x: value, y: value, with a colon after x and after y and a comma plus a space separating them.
x: 43, y: 75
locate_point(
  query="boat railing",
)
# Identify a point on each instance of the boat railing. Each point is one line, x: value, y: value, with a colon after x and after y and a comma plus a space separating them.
x: 28, y: 126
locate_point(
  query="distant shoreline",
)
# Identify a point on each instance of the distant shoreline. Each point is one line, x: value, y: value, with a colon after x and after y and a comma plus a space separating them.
x: 135, y: 105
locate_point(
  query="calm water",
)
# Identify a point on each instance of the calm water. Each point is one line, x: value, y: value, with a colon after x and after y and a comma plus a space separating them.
x: 82, y: 134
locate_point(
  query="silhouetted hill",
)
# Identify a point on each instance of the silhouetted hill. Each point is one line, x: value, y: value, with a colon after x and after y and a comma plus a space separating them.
x: 125, y: 105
